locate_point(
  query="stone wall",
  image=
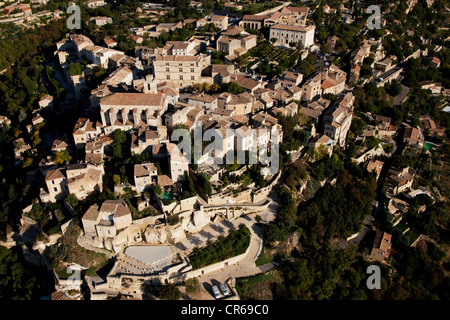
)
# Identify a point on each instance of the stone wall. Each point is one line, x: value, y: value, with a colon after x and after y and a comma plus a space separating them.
x: 242, y: 197
x: 229, y: 198
x: 369, y: 155
x: 232, y: 212
x: 188, y: 203
x: 219, y: 198
x: 263, y: 193
x: 148, y: 220
x: 215, y: 267
x: 116, y: 280
x: 119, y: 190
x: 238, y: 172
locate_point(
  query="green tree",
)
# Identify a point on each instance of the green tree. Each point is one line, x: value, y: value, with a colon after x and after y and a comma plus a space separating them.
x: 75, y: 69
x: 117, y: 150
x: 170, y: 292
x: 158, y: 169
x: 63, y: 157
x: 116, y: 179
x: 205, y: 184
x: 17, y: 283
x: 120, y: 136
x: 358, y: 126
x: 233, y: 87
x: 192, y: 285
x: 190, y: 183
x: 157, y: 189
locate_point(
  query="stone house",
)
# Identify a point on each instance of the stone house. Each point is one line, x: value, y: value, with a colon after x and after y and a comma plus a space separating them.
x: 145, y: 174
x: 104, y: 221
x: 220, y: 22
x: 78, y: 179
x: 414, y: 136
x: 402, y: 179
x: 381, y: 246
x: 337, y: 120
x: 178, y: 163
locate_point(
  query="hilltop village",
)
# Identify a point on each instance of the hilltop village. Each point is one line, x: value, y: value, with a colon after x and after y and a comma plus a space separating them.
x: 116, y: 205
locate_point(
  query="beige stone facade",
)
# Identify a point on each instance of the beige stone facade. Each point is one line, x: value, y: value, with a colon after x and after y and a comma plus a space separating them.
x: 125, y: 110
x: 144, y: 175
x: 220, y: 22
x: 338, y: 119
x: 78, y: 179
x: 183, y: 71
x: 105, y: 221
x: 285, y: 34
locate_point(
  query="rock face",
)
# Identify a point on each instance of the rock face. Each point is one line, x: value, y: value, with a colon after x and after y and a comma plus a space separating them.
x: 155, y: 235
x: 176, y: 234
x: 200, y: 220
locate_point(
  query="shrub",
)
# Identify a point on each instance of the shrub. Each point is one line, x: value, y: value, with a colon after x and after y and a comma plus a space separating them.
x: 173, y: 220
x: 192, y: 285
x: 169, y: 292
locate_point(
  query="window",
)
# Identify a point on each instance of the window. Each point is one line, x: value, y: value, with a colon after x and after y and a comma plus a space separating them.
x: 168, y: 77
x: 192, y: 70
x: 55, y: 189
x: 180, y: 69
x: 53, y: 182
x: 167, y: 69
x: 192, y: 78
x: 181, y: 77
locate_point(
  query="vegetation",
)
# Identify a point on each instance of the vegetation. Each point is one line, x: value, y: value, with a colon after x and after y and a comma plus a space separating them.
x: 193, y: 285
x: 232, y: 245
x: 67, y: 250
x: 17, y: 283
x: 119, y: 138
x: 204, y: 183
x: 75, y: 69
x: 259, y: 287
x: 169, y: 292
x: 63, y: 157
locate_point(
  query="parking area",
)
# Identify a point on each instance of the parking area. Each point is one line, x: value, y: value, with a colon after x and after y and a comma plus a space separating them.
x: 208, y: 289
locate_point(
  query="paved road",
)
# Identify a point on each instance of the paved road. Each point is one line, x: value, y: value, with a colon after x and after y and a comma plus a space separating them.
x: 399, y: 99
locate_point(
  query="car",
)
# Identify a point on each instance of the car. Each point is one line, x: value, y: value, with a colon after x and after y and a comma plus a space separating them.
x: 224, y: 289
x: 216, y: 292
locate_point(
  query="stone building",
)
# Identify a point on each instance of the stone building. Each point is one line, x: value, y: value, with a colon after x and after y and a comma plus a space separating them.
x: 145, y: 174
x: 337, y: 119
x: 285, y: 34
x: 106, y: 220
x: 381, y: 246
x: 220, y: 22
x: 183, y: 71
x: 77, y: 179
x: 124, y: 110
